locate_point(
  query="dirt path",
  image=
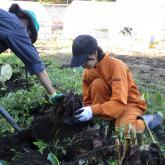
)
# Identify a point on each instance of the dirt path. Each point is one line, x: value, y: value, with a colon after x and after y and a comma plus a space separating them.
x: 148, y: 71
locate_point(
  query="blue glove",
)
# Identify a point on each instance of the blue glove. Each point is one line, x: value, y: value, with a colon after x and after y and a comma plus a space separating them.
x: 83, y: 114
x: 56, y: 98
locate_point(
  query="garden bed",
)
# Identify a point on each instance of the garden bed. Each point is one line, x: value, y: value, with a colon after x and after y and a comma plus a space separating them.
x: 73, y: 144
x: 86, y: 143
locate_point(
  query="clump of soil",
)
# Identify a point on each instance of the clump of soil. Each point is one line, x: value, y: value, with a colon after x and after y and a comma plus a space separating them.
x: 72, y: 143
x: 16, y: 82
x: 146, y: 154
x: 93, y: 147
x: 47, y: 126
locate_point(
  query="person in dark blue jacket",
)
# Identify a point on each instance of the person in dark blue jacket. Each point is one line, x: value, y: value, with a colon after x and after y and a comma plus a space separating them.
x: 18, y: 31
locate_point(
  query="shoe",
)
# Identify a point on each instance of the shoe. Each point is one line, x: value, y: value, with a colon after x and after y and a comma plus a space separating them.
x: 154, y: 120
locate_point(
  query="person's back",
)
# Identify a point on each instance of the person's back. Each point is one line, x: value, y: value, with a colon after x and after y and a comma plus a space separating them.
x: 18, y: 31
x: 10, y: 24
x: 8, y: 19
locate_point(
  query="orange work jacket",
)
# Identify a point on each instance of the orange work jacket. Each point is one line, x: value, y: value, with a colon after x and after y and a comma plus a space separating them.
x: 120, y: 81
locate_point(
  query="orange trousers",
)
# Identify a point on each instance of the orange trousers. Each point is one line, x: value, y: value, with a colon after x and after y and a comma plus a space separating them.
x: 100, y: 92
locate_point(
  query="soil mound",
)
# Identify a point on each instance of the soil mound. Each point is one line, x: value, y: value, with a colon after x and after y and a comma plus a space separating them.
x: 73, y: 144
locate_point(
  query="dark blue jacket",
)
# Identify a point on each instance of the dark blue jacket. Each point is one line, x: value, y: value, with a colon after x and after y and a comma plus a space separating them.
x: 13, y: 35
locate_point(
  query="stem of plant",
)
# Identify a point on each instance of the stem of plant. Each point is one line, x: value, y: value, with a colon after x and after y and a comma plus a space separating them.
x: 150, y: 133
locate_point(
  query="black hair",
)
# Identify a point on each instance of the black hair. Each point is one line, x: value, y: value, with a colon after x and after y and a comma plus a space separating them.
x: 100, y: 53
x: 22, y: 14
x: 14, y: 8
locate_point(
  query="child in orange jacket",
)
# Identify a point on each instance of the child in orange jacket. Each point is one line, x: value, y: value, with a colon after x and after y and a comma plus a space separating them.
x: 109, y: 90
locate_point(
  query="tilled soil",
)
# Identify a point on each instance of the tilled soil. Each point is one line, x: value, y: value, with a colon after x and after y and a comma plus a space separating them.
x: 148, y: 70
x: 73, y: 143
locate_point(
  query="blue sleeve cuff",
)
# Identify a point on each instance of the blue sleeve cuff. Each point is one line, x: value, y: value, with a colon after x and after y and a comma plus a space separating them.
x: 36, y: 68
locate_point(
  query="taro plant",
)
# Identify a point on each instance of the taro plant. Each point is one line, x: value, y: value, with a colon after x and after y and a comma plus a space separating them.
x: 126, y: 138
x: 14, y: 61
x: 5, y: 74
x: 18, y: 68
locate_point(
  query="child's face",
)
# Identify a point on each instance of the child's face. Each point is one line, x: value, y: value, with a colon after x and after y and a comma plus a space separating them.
x: 91, y: 61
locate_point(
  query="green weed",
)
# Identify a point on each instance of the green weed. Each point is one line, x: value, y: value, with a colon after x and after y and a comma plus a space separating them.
x: 41, y: 145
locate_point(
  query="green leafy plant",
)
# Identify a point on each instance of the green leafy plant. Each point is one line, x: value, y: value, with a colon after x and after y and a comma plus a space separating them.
x: 17, y: 155
x: 3, y: 162
x: 5, y: 72
x: 120, y: 133
x: 13, y: 60
x: 112, y: 162
x: 41, y: 145
x: 21, y: 103
x: 58, y: 148
x: 155, y: 102
x: 66, y: 79
x: 101, y: 163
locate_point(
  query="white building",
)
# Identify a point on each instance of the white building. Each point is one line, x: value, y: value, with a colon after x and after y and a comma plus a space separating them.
x: 144, y: 19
